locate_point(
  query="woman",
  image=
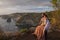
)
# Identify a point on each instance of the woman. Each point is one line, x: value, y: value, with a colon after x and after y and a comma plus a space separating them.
x: 39, y: 32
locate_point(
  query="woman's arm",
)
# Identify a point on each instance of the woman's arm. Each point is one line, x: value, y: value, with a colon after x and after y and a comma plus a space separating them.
x: 40, y: 22
x: 44, y: 26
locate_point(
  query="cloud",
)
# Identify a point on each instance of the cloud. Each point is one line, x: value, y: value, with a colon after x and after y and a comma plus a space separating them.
x: 11, y: 6
x: 10, y: 10
x: 24, y: 2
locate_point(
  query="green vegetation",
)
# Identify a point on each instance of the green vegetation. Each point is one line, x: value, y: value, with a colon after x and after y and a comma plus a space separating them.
x: 23, y: 30
x: 54, y: 17
x: 56, y: 4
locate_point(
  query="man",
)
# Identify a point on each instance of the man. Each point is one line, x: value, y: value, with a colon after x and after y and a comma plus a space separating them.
x: 47, y: 25
x: 46, y: 28
x: 42, y: 28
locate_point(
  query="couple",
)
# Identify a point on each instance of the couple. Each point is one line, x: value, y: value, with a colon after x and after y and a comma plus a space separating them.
x: 42, y: 28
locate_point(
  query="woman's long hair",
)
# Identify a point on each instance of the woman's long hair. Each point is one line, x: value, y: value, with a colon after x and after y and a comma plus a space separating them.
x: 43, y: 14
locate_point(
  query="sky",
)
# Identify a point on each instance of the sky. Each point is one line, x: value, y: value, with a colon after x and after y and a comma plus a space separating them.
x: 12, y: 6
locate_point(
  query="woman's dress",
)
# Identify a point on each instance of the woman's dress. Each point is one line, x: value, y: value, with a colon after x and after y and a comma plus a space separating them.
x: 39, y: 32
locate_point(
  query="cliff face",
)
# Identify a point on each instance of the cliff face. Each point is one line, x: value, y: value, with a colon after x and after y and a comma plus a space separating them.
x: 22, y: 20
x: 29, y: 20
x: 32, y: 19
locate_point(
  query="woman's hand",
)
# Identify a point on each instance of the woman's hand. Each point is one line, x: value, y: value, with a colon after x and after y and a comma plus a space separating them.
x: 43, y: 31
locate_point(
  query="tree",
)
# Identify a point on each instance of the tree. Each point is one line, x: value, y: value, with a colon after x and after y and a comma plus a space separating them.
x: 56, y: 14
x: 56, y: 4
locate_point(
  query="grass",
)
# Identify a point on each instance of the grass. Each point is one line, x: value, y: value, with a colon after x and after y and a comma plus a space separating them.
x: 55, y: 35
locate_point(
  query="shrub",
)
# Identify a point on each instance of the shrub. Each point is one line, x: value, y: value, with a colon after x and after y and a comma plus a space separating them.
x: 23, y: 30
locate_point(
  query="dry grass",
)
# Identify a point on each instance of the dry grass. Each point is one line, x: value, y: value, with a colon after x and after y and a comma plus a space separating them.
x: 28, y: 36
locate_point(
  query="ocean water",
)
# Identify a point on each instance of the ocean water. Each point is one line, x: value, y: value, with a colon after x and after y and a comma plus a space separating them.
x: 8, y: 27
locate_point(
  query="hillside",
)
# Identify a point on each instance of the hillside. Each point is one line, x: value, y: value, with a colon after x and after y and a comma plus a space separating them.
x: 28, y: 22
x: 33, y: 19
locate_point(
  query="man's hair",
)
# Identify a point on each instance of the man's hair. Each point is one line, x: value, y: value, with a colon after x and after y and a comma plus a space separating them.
x: 44, y: 14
